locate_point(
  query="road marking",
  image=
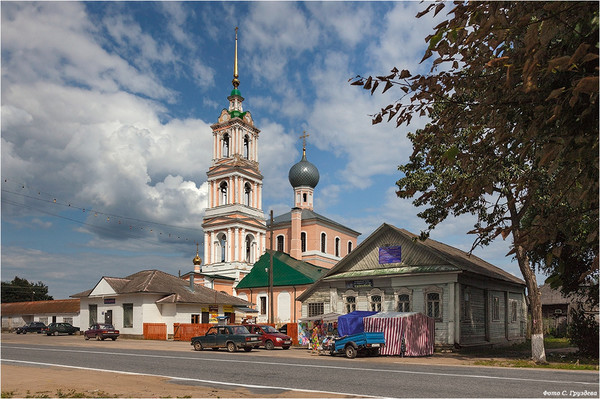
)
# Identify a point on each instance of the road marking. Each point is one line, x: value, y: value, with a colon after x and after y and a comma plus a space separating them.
x: 229, y: 384
x: 345, y: 367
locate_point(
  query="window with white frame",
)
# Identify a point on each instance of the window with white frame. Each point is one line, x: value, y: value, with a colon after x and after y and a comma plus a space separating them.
x: 323, y: 242
x: 280, y: 242
x: 433, y: 304
x: 303, y: 241
x: 350, y: 303
x: 375, y: 302
x: 128, y: 315
x: 337, y: 246
x: 403, y: 303
x: 263, y: 305
x: 349, y: 246
x: 316, y: 308
x: 68, y: 320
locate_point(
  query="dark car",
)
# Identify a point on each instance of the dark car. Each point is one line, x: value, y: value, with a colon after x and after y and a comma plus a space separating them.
x: 61, y: 328
x: 230, y: 337
x: 270, y: 337
x: 34, y: 326
x: 101, y: 331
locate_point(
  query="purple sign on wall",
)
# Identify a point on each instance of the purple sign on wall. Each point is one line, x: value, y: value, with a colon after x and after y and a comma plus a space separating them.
x: 389, y: 255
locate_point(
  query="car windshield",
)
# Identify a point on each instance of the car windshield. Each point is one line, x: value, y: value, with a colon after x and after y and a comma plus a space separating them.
x: 240, y: 330
x: 269, y: 329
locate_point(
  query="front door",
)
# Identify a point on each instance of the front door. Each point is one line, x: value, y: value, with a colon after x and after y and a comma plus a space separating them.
x: 108, y: 317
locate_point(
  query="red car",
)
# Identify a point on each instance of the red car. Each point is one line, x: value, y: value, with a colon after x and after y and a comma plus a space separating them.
x: 269, y: 336
x: 101, y: 332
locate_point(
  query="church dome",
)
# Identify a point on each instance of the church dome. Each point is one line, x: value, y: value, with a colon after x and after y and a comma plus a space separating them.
x: 304, y: 173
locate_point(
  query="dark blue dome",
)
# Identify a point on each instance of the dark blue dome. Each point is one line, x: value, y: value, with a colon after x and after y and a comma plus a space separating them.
x: 304, y: 173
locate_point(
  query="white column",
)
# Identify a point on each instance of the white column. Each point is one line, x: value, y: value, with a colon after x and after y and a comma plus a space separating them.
x: 236, y: 249
x: 231, y: 191
x: 207, y: 244
x: 259, y: 204
x: 212, y: 244
x: 229, y: 248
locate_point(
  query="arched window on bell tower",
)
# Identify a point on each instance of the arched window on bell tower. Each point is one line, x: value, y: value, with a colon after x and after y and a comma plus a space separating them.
x: 247, y: 194
x: 225, y: 145
x: 246, y: 147
x: 221, y: 250
x: 223, y: 193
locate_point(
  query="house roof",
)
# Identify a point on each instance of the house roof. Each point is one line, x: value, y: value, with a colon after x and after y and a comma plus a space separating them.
x: 57, y: 306
x: 308, y: 215
x: 174, y: 289
x: 287, y: 271
x: 418, y: 257
x: 550, y: 296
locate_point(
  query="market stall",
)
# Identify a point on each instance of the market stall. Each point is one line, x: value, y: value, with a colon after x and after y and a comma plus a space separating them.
x: 406, y: 333
x: 326, y: 325
x: 352, y: 323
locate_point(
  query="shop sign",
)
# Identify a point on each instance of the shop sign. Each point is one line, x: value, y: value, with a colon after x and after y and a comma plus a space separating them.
x: 390, y: 254
x: 227, y: 309
x: 359, y: 283
x: 109, y: 301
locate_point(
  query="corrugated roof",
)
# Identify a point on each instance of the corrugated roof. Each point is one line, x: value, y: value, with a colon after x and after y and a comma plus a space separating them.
x: 57, y: 306
x: 175, y: 289
x: 307, y: 215
x: 287, y: 271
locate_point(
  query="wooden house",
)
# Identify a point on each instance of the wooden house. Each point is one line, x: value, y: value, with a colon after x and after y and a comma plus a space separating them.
x: 472, y: 301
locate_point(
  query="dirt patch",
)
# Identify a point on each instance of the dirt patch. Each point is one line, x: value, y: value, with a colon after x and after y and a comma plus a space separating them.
x: 53, y: 382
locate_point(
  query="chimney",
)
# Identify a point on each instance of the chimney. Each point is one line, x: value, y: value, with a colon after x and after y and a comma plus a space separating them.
x: 192, y: 282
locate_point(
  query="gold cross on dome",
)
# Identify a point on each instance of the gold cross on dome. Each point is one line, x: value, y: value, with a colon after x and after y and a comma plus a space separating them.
x: 303, y: 137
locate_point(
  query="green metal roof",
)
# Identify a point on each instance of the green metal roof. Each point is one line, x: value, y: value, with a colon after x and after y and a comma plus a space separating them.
x: 237, y: 114
x: 286, y: 271
x: 235, y: 92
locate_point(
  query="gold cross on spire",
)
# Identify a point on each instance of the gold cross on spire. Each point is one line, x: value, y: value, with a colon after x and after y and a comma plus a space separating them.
x: 304, y: 137
x: 235, y: 81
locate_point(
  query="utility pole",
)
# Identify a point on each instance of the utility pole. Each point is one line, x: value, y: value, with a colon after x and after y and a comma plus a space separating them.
x: 271, y: 316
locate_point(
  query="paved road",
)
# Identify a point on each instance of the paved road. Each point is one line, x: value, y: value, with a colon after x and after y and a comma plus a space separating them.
x: 277, y: 370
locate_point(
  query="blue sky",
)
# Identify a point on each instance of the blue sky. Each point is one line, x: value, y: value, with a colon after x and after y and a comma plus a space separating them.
x: 106, y: 114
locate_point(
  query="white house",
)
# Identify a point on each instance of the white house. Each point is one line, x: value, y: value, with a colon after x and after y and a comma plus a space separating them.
x: 17, y: 314
x: 152, y: 296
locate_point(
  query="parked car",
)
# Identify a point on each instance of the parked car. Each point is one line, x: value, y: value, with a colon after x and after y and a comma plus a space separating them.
x: 34, y: 326
x: 368, y: 343
x: 101, y: 332
x: 270, y: 337
x: 61, y: 328
x: 230, y: 337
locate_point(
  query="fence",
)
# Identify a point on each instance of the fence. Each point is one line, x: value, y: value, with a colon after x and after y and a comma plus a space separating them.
x: 155, y: 331
x: 186, y: 331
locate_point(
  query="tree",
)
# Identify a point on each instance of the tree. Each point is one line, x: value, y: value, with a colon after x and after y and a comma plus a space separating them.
x: 513, y: 137
x: 21, y: 290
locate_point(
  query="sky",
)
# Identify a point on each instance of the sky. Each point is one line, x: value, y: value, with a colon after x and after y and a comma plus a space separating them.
x: 106, y: 115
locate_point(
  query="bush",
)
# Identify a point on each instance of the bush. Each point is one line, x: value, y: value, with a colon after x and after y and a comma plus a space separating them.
x: 583, y: 332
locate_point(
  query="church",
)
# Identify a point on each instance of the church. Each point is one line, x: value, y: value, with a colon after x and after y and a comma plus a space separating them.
x: 236, y: 232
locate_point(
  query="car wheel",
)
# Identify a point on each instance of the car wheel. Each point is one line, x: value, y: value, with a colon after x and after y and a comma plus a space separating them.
x: 55, y: 332
x: 198, y: 346
x: 350, y: 352
x: 231, y: 347
x: 269, y: 345
x: 97, y: 338
x: 86, y: 337
x: 285, y: 347
x: 114, y: 338
x: 248, y: 348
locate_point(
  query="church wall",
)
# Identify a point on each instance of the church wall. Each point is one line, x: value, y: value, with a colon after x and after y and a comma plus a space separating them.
x: 284, y: 311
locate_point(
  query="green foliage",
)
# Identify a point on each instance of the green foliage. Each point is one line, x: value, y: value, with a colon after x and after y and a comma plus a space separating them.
x: 21, y: 290
x: 584, y: 332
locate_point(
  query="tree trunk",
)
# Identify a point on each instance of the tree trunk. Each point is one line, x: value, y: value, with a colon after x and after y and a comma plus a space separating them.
x: 538, y: 353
